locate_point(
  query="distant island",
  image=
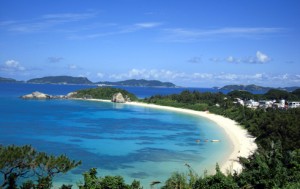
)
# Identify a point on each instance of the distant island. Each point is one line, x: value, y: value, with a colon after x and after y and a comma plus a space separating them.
x: 60, y: 80
x: 255, y: 88
x: 84, y: 80
x: 9, y: 80
x: 138, y: 83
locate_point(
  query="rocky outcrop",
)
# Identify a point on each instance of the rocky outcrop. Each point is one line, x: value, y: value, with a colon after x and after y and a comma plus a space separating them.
x: 39, y: 95
x: 118, y: 98
x: 71, y: 94
x: 36, y: 95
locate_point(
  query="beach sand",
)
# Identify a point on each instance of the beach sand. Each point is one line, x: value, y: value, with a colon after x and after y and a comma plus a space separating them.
x: 243, y: 143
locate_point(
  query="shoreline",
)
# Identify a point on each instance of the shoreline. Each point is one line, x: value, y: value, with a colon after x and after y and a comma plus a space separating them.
x: 243, y: 143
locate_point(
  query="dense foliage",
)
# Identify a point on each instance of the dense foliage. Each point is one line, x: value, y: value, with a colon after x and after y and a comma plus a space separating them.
x: 103, y: 93
x: 91, y: 181
x: 22, y: 162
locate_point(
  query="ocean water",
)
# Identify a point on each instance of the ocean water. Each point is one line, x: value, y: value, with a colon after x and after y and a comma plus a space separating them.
x: 118, y: 139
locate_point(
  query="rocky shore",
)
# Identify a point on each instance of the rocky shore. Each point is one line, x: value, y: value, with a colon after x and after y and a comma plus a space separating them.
x: 39, y: 95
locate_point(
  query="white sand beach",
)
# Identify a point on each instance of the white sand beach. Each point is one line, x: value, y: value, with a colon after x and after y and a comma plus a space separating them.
x: 243, y: 143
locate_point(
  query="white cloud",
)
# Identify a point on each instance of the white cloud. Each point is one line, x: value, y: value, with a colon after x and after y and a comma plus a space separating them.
x: 12, y: 66
x: 191, y: 35
x: 259, y: 58
x: 262, y: 58
x: 148, y: 24
x: 46, y: 22
x: 72, y: 67
x: 230, y: 59
x: 148, y: 74
x: 100, y: 75
x: 209, y: 79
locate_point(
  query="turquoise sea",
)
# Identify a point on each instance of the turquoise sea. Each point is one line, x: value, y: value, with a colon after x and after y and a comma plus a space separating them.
x: 118, y: 139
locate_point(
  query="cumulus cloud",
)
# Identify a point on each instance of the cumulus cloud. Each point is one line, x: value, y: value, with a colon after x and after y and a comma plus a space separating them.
x: 261, y: 57
x: 209, y: 79
x: 12, y: 66
x: 148, y: 74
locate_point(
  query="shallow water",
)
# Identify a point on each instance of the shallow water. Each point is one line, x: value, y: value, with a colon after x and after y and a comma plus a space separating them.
x: 135, y: 142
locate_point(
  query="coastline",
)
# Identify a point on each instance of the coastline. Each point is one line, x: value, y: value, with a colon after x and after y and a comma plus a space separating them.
x: 243, y: 143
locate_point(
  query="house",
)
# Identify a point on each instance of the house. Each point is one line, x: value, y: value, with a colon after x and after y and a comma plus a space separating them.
x: 251, y: 104
x: 293, y: 104
x: 265, y: 104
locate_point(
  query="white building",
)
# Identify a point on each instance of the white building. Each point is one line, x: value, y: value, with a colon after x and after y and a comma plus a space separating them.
x: 251, y: 104
x: 293, y: 104
x: 265, y: 104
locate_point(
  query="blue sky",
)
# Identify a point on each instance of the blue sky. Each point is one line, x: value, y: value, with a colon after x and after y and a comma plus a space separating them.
x: 193, y: 43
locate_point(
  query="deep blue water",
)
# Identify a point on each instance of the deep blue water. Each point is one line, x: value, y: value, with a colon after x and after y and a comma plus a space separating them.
x: 118, y: 139
x: 18, y: 89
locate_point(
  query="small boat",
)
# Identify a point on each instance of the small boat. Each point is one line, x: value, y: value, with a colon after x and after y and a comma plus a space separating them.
x: 197, y: 141
x: 215, y: 140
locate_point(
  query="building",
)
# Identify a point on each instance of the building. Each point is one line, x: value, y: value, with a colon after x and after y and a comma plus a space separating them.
x: 293, y: 104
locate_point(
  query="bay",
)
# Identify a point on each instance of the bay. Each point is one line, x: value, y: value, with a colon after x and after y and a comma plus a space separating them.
x: 118, y: 139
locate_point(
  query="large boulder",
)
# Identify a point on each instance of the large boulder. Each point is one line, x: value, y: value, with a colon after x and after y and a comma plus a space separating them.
x: 36, y: 95
x: 71, y: 95
x: 118, y: 97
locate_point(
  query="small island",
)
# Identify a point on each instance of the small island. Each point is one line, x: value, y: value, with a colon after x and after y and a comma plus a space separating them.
x: 138, y: 83
x: 258, y: 88
x: 60, y: 80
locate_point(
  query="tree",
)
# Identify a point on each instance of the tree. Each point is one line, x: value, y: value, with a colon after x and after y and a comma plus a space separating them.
x: 219, y: 180
x: 245, y: 95
x: 91, y: 181
x: 25, y: 162
x: 176, y: 181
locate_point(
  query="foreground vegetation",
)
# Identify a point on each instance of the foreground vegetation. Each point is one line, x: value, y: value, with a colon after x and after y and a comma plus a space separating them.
x: 276, y: 163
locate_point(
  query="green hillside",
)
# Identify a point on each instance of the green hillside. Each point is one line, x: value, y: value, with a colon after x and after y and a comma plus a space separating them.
x: 61, y: 80
x: 139, y: 83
